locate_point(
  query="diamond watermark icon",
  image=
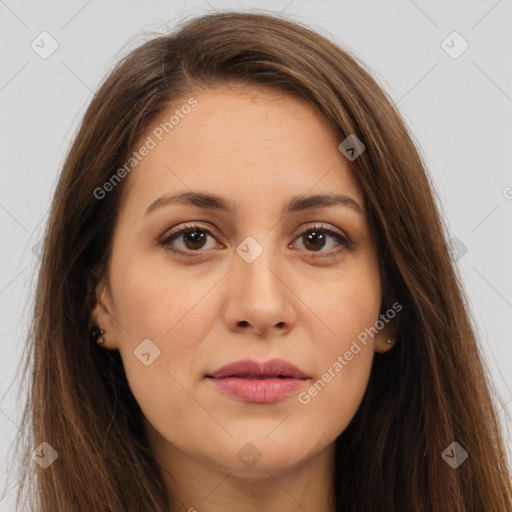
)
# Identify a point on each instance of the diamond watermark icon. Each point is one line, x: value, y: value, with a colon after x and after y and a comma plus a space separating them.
x: 455, y: 455
x: 44, y: 455
x: 351, y: 147
x: 44, y: 45
x: 37, y: 249
x: 457, y: 248
x: 454, y: 45
x: 249, y: 249
x: 146, y: 352
x: 249, y: 455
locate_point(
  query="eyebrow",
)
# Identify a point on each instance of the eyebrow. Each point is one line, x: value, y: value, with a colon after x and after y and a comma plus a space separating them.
x: 222, y: 204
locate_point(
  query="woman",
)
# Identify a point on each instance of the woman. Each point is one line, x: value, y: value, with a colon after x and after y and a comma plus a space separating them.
x: 246, y: 300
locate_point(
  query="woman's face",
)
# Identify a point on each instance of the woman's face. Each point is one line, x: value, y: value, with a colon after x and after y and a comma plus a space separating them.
x: 257, y: 282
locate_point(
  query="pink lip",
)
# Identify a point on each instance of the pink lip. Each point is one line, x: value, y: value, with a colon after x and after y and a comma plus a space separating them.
x: 259, y: 382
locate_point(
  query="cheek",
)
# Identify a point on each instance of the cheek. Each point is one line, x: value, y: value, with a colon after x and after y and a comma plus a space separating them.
x: 173, y: 310
x: 343, y: 347
x: 175, y: 314
x: 158, y: 301
x: 346, y: 303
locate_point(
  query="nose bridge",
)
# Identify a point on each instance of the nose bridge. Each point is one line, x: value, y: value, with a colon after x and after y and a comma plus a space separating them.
x: 257, y: 265
x: 258, y: 295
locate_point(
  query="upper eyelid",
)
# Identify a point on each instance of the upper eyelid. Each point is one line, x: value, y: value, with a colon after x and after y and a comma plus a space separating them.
x: 187, y: 226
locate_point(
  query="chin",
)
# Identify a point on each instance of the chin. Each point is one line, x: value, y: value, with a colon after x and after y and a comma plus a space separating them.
x: 256, y: 453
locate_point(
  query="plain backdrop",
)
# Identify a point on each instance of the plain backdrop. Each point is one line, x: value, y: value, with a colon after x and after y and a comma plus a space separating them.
x: 445, y: 64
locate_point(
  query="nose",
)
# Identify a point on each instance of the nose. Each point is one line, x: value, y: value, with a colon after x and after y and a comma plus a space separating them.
x: 260, y: 297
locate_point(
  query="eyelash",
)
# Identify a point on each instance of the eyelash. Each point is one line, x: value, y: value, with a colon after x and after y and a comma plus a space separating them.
x: 344, y: 242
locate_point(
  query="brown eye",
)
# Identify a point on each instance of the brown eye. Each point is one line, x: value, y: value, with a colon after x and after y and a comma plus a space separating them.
x: 194, y: 239
x: 187, y: 240
x: 316, y: 238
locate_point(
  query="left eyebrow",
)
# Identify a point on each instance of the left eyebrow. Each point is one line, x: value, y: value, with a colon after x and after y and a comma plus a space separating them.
x: 218, y: 203
x: 299, y: 203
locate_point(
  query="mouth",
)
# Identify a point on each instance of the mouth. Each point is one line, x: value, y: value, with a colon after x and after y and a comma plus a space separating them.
x: 250, y: 369
x: 255, y: 382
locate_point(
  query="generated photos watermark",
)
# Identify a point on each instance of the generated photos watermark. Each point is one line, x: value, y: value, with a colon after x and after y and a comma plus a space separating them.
x: 342, y: 360
x: 150, y: 143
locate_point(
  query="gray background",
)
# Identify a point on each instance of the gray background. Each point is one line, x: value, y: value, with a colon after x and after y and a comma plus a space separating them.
x: 459, y: 110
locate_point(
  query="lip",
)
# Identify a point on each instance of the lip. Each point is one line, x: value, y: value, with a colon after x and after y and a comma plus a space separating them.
x: 256, y: 382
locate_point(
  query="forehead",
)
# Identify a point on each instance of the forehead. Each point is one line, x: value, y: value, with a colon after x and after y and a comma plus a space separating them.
x: 251, y: 144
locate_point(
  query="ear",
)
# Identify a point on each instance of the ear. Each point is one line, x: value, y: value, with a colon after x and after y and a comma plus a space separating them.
x: 100, y: 315
x: 386, y: 337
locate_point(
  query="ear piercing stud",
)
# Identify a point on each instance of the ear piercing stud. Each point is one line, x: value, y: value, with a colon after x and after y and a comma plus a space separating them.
x: 96, y: 334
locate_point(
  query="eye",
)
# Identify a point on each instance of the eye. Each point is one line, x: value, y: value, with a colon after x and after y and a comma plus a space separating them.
x: 192, y: 237
x: 317, y: 237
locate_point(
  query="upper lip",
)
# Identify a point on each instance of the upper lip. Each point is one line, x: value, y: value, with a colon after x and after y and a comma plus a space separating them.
x: 251, y: 368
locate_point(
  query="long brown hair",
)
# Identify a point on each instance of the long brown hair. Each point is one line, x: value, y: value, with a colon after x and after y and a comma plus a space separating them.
x: 431, y: 390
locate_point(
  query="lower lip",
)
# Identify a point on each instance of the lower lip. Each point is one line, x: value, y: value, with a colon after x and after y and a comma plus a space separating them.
x: 262, y: 391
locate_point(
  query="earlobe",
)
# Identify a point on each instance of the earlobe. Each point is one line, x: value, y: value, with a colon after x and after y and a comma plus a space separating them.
x: 384, y: 343
x: 386, y: 338
x: 102, y: 331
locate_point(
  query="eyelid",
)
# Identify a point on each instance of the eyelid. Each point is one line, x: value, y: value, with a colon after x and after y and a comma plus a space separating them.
x: 187, y: 226
x: 319, y: 226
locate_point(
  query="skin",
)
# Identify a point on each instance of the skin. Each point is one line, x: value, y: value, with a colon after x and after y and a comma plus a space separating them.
x: 258, y: 148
